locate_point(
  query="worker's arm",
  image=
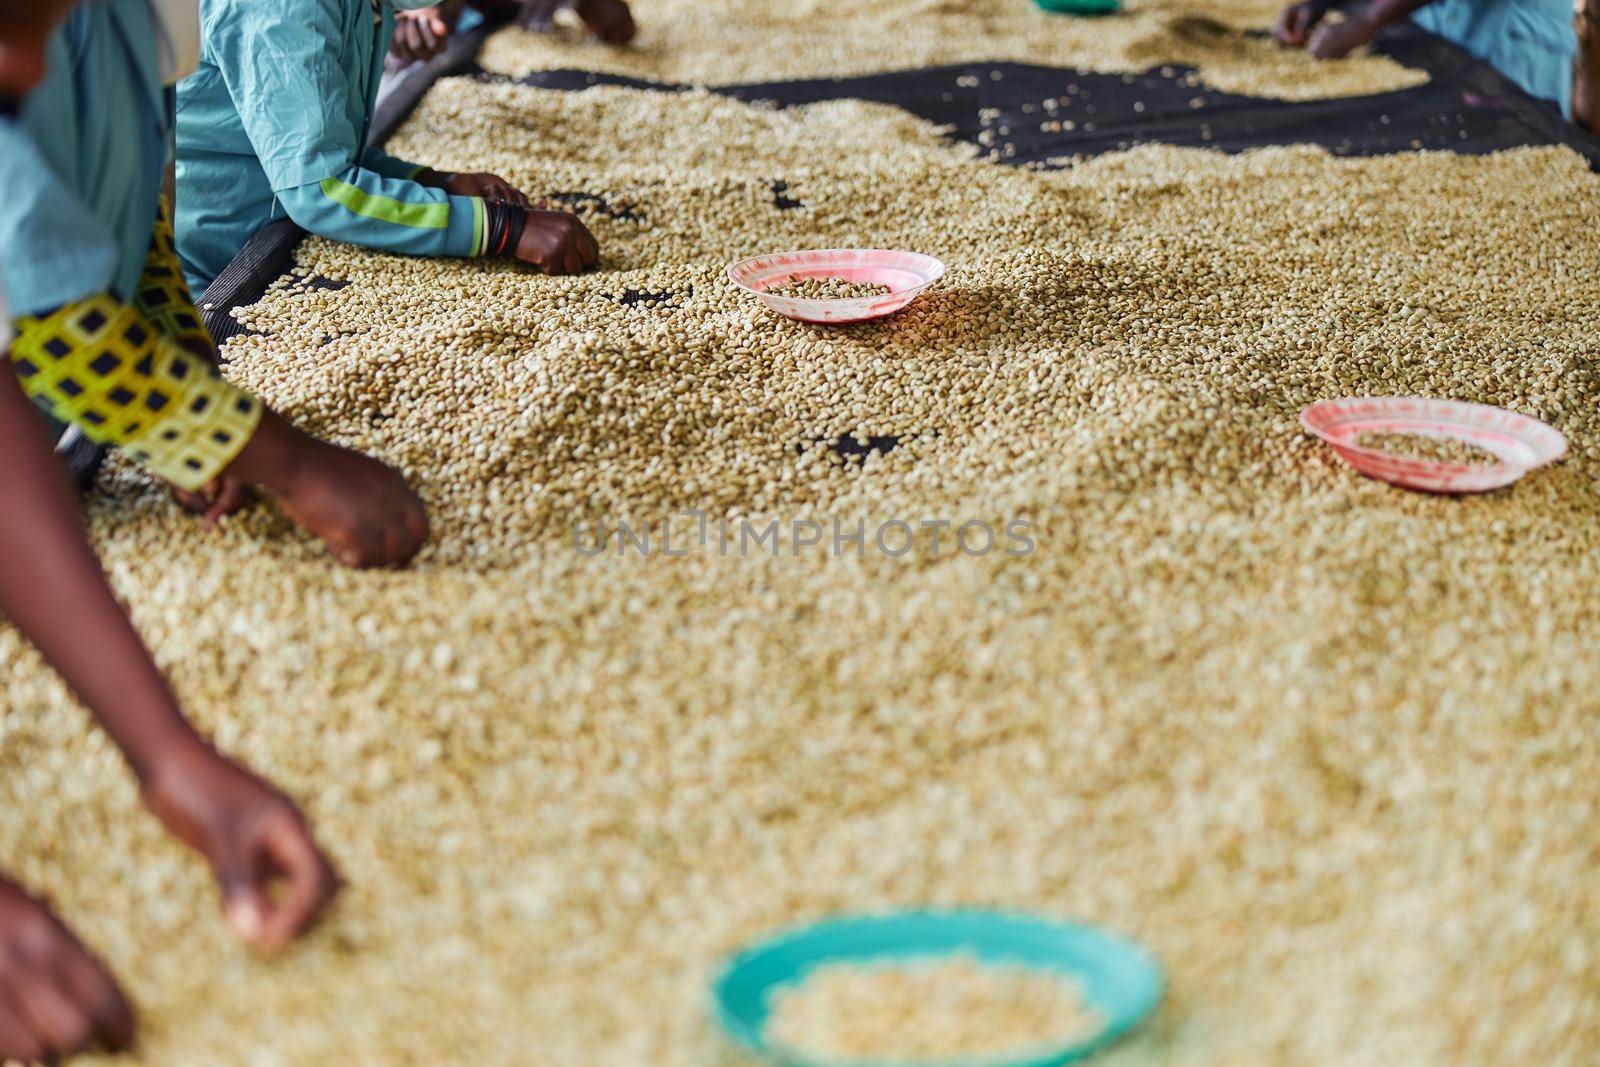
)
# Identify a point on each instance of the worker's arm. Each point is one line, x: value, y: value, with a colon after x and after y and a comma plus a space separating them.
x: 490, y: 187
x: 397, y: 206
x: 53, y: 590
x: 480, y: 184
x: 362, y: 207
x: 103, y: 366
x: 295, y: 111
x: 1302, y: 24
x: 373, y: 214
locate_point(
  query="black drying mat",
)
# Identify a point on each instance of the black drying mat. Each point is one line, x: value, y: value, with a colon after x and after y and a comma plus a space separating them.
x: 1467, y: 106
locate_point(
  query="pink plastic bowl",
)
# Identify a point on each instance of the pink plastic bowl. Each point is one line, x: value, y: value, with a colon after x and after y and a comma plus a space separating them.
x: 905, y: 273
x: 1520, y: 443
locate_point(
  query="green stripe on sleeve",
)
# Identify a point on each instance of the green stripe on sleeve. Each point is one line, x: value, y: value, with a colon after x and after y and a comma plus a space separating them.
x: 478, y: 211
x: 386, y: 208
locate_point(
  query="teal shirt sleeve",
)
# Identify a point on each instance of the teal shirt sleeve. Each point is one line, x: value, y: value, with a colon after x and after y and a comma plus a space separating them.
x: 53, y: 250
x: 292, y: 101
x: 380, y: 162
x: 361, y: 207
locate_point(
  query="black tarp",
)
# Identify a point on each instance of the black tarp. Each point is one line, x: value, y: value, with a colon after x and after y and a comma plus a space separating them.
x: 1467, y: 106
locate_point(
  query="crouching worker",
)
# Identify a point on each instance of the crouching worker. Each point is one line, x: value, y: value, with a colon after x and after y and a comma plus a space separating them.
x: 80, y: 160
x: 275, y: 125
x: 108, y: 339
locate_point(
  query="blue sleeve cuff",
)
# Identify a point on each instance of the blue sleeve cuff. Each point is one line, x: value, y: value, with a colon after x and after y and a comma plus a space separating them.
x: 464, y: 236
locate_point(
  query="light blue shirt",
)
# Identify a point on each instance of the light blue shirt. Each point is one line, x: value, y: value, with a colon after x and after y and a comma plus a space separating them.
x: 1532, y: 42
x: 274, y: 125
x: 82, y: 163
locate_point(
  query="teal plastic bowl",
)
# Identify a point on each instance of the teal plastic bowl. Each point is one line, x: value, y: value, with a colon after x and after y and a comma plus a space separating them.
x: 1080, y: 7
x: 1119, y: 976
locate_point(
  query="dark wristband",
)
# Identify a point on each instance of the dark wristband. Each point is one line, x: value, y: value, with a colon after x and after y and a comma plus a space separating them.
x: 505, y: 222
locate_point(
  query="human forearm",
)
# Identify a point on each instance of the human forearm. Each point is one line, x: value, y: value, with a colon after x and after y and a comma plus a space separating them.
x: 1380, y: 13
x: 275, y: 881
x: 103, y: 366
x: 1303, y: 24
x: 362, y: 207
x: 53, y: 590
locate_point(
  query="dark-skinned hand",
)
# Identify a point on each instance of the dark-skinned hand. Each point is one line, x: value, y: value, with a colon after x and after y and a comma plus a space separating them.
x: 1336, y: 40
x: 275, y: 882
x: 488, y: 186
x: 557, y: 243
x: 419, y: 35
x: 215, y: 500
x: 361, y: 508
x: 56, y: 1000
x: 1297, y: 22
x: 609, y: 20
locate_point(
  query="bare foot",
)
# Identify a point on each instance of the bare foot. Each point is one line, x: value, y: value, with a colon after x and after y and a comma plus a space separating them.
x: 55, y: 998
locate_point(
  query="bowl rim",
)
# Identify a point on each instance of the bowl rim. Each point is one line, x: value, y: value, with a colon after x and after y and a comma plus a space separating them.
x: 1314, y: 428
x: 938, y: 268
x: 754, y: 1042
x: 1079, y: 7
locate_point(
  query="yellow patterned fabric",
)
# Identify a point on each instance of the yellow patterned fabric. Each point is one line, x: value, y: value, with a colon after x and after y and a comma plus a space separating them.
x: 164, y: 296
x: 103, y: 366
